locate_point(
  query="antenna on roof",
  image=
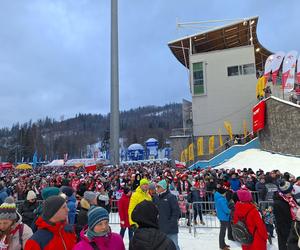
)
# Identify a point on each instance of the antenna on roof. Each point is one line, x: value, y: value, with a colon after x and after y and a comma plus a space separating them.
x: 199, y: 24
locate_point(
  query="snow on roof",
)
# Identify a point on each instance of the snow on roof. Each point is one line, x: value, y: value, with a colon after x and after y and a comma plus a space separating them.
x: 151, y: 140
x: 258, y: 159
x: 135, y: 146
x: 56, y: 163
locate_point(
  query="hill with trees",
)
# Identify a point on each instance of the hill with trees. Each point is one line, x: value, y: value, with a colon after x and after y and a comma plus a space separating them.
x: 51, y: 139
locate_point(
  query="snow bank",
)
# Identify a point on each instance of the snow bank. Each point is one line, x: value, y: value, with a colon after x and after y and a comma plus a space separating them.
x: 258, y: 159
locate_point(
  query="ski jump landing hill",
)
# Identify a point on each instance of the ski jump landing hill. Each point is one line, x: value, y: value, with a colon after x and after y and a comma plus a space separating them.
x: 280, y: 135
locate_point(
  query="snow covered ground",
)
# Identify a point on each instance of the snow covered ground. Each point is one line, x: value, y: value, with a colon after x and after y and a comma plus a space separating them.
x: 206, y: 239
x: 258, y: 159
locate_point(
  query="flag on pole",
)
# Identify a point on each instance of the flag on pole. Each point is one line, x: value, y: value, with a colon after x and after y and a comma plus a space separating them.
x: 228, y: 128
x: 200, y: 146
x: 277, y: 61
x: 182, y: 156
x: 260, y: 85
x: 220, y: 138
x: 191, y: 152
x: 288, y: 71
x: 245, y: 128
x: 211, y: 145
x: 298, y: 71
x: 179, y: 164
x: 34, y: 159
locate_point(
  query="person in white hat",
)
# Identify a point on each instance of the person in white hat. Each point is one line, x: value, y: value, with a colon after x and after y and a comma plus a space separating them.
x: 28, y: 207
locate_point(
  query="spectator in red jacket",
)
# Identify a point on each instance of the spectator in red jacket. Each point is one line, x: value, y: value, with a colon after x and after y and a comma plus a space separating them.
x: 123, y: 205
x: 246, y: 210
x: 53, y: 231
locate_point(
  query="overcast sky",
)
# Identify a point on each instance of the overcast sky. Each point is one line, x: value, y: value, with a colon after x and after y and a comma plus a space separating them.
x: 55, y: 54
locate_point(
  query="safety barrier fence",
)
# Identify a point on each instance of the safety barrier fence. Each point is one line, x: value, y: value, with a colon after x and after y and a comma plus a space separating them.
x: 196, y: 215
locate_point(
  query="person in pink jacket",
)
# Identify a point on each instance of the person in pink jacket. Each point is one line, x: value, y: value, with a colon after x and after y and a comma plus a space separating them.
x: 97, y: 234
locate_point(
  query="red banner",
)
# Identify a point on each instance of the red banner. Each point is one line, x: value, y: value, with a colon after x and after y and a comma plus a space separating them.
x: 90, y: 168
x: 258, y: 118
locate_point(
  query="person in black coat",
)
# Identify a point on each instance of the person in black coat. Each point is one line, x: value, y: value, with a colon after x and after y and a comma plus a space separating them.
x: 28, y: 207
x: 147, y: 236
x: 194, y: 197
x: 168, y: 210
x: 292, y: 242
x: 89, y: 199
x: 282, y: 213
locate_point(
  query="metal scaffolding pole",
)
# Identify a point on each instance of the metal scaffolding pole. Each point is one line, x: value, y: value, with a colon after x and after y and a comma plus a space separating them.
x: 114, y: 100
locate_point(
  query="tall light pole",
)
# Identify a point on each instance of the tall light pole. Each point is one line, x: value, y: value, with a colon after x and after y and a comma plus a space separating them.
x: 114, y: 98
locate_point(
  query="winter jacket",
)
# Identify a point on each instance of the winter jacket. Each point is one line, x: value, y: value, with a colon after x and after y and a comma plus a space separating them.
x: 194, y: 196
x: 292, y: 242
x: 3, y: 195
x: 235, y: 184
x: 82, y: 218
x: 283, y: 220
x: 138, y: 196
x: 169, y: 212
x: 223, y: 211
x: 255, y: 225
x: 14, y: 243
x: 261, y: 189
x: 49, y: 236
x: 71, y: 203
x: 147, y: 236
x: 271, y: 190
x: 27, y: 212
x: 108, y: 242
x: 123, y: 205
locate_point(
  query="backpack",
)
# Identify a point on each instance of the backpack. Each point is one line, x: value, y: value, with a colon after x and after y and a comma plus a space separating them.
x: 240, y: 232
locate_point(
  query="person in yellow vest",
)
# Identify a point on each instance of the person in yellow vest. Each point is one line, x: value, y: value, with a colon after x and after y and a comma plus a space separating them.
x: 140, y: 194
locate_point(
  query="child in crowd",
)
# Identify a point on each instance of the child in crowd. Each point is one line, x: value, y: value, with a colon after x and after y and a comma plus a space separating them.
x: 268, y: 217
x: 184, y: 208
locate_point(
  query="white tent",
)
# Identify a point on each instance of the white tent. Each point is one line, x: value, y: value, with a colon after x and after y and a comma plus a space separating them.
x: 55, y: 163
x: 258, y: 159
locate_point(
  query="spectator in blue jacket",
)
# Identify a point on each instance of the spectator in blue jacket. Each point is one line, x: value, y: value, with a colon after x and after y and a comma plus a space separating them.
x: 3, y: 194
x: 71, y: 203
x: 235, y: 183
x: 169, y: 211
x: 223, y: 214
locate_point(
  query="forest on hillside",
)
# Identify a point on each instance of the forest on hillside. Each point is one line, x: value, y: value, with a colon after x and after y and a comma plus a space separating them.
x: 52, y: 139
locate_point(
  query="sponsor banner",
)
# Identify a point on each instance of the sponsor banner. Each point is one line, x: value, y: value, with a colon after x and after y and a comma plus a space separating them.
x: 211, y: 145
x: 268, y: 66
x: 220, y: 138
x: 277, y: 61
x: 289, y: 63
x: 290, y: 82
x: 258, y: 113
x: 298, y: 70
x: 200, y: 146
x: 228, y: 128
x: 191, y: 152
x: 182, y: 156
x: 245, y: 128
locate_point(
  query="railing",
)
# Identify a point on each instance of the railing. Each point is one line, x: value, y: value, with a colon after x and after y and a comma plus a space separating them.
x: 181, y: 132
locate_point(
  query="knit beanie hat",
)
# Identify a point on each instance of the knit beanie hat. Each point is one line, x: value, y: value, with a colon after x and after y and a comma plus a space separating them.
x: 144, y: 181
x: 51, y: 205
x: 126, y: 190
x: 221, y: 190
x: 152, y: 186
x: 163, y: 184
x: 96, y: 215
x: 8, y: 209
x: 244, y: 195
x: 285, y: 187
x: 31, y: 195
x: 68, y: 191
x: 89, y: 195
x: 49, y: 191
